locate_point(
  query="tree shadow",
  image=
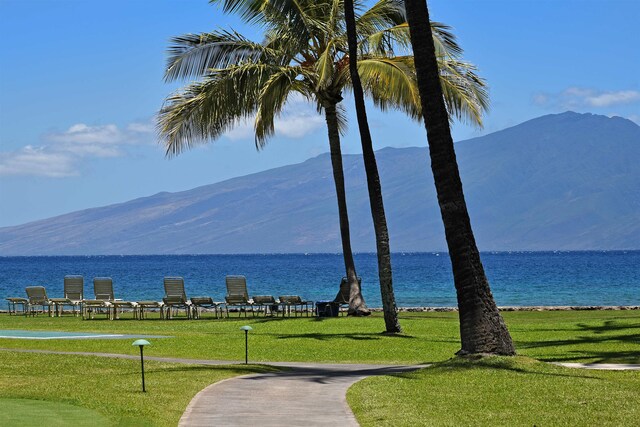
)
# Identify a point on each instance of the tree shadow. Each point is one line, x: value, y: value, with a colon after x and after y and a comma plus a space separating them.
x: 606, y: 333
x: 632, y: 357
x: 473, y: 362
x: 579, y: 340
x: 354, y: 336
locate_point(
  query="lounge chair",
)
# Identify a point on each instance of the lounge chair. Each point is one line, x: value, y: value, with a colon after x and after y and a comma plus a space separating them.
x: 103, y: 299
x: 289, y: 302
x: 265, y: 303
x: 200, y: 303
x: 73, y: 295
x: 175, y: 297
x: 37, y: 296
x: 143, y: 305
x: 14, y: 302
x: 237, y: 294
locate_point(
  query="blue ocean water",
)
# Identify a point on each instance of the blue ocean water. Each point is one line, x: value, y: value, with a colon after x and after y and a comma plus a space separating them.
x: 420, y: 279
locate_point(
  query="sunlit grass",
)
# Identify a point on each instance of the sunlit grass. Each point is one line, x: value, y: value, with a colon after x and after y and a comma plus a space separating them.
x: 108, y: 389
x: 498, y: 391
x: 582, y: 336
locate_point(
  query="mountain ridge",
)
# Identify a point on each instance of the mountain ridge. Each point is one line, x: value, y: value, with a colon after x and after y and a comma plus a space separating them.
x: 565, y: 181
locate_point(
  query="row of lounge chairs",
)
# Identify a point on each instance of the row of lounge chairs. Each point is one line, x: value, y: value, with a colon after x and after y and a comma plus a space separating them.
x: 174, y: 300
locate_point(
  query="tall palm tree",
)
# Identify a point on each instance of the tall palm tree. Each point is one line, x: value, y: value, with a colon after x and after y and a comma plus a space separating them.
x: 482, y: 329
x: 304, y: 51
x: 383, y: 251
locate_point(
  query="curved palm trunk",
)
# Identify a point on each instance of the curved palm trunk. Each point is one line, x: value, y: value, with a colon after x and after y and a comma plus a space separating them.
x: 373, y: 183
x: 482, y: 329
x: 357, y: 306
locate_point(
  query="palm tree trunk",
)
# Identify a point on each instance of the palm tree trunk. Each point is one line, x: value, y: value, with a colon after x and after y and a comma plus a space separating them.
x: 389, y: 308
x: 357, y: 305
x: 482, y: 329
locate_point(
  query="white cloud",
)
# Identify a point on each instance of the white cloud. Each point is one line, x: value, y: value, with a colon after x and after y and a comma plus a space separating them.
x: 298, y: 125
x: 242, y: 130
x: 613, y: 98
x: 298, y: 120
x: 62, y: 153
x: 83, y: 134
x: 581, y: 98
x: 37, y: 161
x: 140, y: 127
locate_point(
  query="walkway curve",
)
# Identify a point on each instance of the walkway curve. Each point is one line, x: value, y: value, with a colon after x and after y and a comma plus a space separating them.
x: 303, y: 394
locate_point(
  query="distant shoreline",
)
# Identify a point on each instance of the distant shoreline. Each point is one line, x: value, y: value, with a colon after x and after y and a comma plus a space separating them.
x: 504, y: 309
x: 524, y: 308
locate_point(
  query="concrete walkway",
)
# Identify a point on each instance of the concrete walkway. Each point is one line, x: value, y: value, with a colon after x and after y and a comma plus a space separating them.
x: 303, y: 394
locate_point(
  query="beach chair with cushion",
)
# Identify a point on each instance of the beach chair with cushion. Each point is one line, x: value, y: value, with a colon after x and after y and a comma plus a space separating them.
x: 175, y: 297
x: 17, y: 301
x: 266, y: 304
x: 103, y: 290
x: 200, y: 303
x: 37, y: 296
x: 73, y: 295
x: 291, y: 303
x: 103, y: 299
x: 237, y: 295
x: 150, y: 305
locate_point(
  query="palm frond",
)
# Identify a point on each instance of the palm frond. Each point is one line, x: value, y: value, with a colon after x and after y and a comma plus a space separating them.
x: 253, y: 12
x: 465, y: 93
x: 391, y: 83
x: 192, y: 55
x: 324, y: 67
x: 207, y: 109
x: 382, y: 15
x: 444, y: 40
x: 272, y: 99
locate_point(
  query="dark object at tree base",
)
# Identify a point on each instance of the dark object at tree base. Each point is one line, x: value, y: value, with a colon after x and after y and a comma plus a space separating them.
x: 327, y: 309
x: 359, y: 313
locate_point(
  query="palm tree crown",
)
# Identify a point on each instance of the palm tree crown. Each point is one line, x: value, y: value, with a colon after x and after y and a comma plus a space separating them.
x: 304, y: 51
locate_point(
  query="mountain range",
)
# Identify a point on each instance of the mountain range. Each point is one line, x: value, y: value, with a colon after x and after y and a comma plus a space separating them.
x: 558, y: 182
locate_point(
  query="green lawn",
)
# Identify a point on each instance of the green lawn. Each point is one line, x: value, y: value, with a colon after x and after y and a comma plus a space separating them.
x: 484, y: 392
x: 498, y: 391
x: 572, y: 336
x: 101, y: 391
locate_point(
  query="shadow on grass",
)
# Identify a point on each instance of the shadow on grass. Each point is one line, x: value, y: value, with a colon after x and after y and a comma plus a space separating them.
x: 354, y: 336
x: 632, y: 357
x: 518, y: 365
x: 239, y: 369
x: 579, y: 340
x: 608, y: 332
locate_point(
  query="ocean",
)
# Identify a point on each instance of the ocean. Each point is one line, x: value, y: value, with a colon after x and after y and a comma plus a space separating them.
x: 419, y: 279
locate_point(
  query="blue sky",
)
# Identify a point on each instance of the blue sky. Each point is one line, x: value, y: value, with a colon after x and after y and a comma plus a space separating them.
x: 81, y: 81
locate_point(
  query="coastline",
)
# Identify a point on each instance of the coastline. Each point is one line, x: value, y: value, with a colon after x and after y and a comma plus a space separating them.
x: 523, y: 308
x: 502, y: 309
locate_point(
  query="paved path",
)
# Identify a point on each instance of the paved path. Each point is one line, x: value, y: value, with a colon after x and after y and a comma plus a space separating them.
x: 303, y: 394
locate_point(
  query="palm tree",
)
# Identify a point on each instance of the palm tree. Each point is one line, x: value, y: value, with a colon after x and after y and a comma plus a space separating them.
x: 383, y: 251
x: 482, y: 329
x: 304, y: 52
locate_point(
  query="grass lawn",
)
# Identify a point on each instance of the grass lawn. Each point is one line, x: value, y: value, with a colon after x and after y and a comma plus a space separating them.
x: 571, y: 336
x: 96, y: 391
x: 491, y: 391
x: 498, y: 391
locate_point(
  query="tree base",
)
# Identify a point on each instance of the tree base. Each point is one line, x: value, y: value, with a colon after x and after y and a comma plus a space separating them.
x: 359, y: 312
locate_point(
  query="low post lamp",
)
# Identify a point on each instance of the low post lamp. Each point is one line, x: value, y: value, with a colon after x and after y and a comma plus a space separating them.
x: 141, y: 344
x: 246, y: 330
